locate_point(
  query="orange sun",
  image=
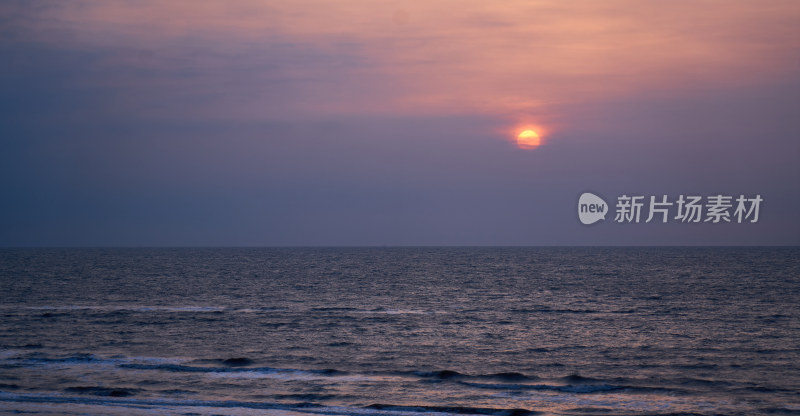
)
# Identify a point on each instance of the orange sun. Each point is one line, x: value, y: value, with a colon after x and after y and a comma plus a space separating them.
x: 528, y: 139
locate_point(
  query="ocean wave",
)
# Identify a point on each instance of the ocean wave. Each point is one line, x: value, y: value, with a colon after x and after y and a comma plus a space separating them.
x: 243, y: 371
x: 221, y: 309
x: 48, y: 309
x: 233, y: 365
x: 375, y: 311
x: 450, y: 374
x: 569, y: 388
x: 455, y: 410
x: 102, y: 391
x: 242, y: 367
x: 37, y: 359
x: 300, y: 407
x: 516, y: 381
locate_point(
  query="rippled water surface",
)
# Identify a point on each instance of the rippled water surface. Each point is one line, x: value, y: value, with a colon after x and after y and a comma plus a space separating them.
x: 400, y: 331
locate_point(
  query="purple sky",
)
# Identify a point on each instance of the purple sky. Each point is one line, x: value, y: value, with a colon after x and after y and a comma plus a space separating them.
x: 258, y: 123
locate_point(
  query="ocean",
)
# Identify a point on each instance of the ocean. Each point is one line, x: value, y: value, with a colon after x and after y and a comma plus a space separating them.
x: 400, y: 331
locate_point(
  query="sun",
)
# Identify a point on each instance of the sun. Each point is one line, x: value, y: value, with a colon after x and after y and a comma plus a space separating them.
x: 528, y: 139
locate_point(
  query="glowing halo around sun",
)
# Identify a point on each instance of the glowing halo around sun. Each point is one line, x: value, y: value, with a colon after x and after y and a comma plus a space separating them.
x: 528, y: 139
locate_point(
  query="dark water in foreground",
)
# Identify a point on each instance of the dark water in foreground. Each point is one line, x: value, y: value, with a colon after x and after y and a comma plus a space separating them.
x: 405, y: 331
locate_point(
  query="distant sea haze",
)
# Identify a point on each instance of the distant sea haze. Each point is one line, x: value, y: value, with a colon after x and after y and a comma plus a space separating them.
x: 400, y: 331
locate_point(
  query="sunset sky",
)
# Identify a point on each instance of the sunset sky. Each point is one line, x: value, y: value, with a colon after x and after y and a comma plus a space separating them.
x: 362, y: 122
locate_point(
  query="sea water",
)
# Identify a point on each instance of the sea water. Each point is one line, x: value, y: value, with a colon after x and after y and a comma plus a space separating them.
x: 400, y: 331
